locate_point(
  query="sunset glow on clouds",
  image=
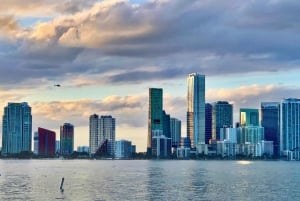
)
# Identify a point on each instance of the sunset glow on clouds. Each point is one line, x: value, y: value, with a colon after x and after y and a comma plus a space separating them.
x: 106, y: 54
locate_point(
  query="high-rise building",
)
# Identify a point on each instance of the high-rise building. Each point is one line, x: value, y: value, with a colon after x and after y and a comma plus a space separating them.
x: 66, y: 139
x: 249, y: 117
x: 107, y: 129
x: 290, y: 127
x: 16, y: 128
x: 196, y: 109
x: 155, y: 114
x: 46, y: 142
x: 94, y: 133
x: 166, y: 124
x: 270, y: 120
x: 175, y: 128
x: 222, y: 116
x: 208, y: 122
x: 161, y: 145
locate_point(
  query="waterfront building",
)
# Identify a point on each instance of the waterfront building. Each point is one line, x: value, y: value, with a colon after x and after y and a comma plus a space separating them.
x: 226, y: 148
x: 133, y: 148
x: 290, y: 127
x: 183, y: 152
x: 94, y: 133
x: 249, y: 117
x: 228, y: 134
x: 36, y: 143
x: 166, y: 124
x: 175, y: 128
x: 16, y: 128
x: 249, y: 134
x: 222, y: 116
x: 267, y: 148
x: 208, y: 122
x: 185, y: 142
x: 270, y: 120
x: 46, y: 144
x: 155, y: 114
x: 196, y: 109
x: 66, y: 139
x: 107, y: 132
x: 161, y: 145
x: 83, y: 149
x: 123, y: 149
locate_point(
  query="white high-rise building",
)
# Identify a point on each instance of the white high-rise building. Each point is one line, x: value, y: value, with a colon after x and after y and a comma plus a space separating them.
x: 196, y: 109
x: 16, y: 128
x: 290, y: 128
x: 107, y: 126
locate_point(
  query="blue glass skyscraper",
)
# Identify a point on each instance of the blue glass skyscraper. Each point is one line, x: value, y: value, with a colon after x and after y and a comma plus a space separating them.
x: 16, y: 128
x: 196, y: 109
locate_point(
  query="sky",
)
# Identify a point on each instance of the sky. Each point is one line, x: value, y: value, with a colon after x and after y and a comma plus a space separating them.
x: 107, y: 54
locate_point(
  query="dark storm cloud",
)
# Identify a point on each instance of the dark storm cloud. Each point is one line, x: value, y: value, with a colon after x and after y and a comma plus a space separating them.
x: 175, y: 37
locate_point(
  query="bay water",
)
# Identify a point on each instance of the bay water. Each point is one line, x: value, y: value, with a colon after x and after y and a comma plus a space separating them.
x: 106, y: 180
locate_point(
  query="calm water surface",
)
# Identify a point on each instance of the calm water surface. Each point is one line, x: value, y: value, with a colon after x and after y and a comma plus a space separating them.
x: 106, y: 180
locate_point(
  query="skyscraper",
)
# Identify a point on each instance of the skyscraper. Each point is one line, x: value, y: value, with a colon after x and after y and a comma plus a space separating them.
x: 208, y: 122
x: 66, y: 139
x: 196, y: 109
x: 16, y: 128
x: 166, y: 125
x: 290, y: 127
x: 107, y: 129
x: 94, y: 133
x: 175, y: 128
x: 222, y: 116
x: 270, y: 120
x: 155, y: 114
x: 249, y: 117
x: 46, y: 143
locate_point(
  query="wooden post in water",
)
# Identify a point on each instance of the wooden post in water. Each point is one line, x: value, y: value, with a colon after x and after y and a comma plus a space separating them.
x: 62, y: 184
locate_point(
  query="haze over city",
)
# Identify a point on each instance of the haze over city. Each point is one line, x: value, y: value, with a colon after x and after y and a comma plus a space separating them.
x: 106, y: 54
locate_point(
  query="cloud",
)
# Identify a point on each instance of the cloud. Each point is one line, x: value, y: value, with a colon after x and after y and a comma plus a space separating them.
x: 129, y: 111
x: 117, y: 42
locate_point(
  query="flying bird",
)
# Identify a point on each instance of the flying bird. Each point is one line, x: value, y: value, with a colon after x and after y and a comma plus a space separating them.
x: 57, y: 85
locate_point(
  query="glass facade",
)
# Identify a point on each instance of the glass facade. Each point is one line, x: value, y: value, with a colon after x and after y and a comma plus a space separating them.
x: 175, y: 128
x: 66, y: 139
x: 222, y: 116
x: 16, y: 128
x: 249, y: 117
x: 290, y: 126
x: 94, y: 133
x: 155, y: 113
x: 208, y: 122
x: 270, y: 120
x: 107, y: 131
x: 196, y: 109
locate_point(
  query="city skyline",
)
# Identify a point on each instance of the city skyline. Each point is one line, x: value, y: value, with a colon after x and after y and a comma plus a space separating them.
x: 106, y: 54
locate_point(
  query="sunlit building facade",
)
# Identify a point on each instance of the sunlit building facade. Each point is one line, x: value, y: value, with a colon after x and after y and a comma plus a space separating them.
x: 249, y: 117
x: 16, y: 128
x: 196, y: 109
